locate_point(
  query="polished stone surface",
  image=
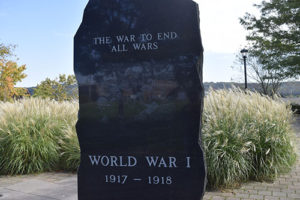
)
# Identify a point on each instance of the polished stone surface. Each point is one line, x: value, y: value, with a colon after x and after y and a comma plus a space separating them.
x: 139, y: 68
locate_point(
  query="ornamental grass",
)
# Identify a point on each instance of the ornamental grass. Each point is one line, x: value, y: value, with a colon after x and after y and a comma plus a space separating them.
x: 31, y: 131
x: 246, y: 136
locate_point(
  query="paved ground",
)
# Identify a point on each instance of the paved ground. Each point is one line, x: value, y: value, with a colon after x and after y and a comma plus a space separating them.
x: 62, y: 186
x: 48, y: 186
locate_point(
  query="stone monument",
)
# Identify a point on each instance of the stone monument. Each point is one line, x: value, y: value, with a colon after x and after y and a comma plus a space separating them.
x: 139, y: 68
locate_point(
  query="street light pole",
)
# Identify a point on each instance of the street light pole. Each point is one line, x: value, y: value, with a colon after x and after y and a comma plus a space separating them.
x: 245, y: 69
x: 244, y: 53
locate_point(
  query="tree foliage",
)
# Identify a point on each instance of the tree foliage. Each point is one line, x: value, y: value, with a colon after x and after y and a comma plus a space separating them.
x: 10, y: 75
x: 60, y: 89
x: 274, y: 36
x: 6, y: 51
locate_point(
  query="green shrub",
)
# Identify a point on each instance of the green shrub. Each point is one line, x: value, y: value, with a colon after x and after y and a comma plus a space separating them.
x: 30, y: 130
x: 246, y: 136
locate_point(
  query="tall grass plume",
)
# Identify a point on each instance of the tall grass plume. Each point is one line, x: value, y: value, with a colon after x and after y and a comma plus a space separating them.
x: 246, y: 136
x: 30, y: 131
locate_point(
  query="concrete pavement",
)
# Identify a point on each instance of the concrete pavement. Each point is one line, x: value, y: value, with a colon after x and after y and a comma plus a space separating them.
x: 47, y: 186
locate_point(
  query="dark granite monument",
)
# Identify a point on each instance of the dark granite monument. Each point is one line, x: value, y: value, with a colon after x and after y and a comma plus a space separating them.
x: 139, y: 68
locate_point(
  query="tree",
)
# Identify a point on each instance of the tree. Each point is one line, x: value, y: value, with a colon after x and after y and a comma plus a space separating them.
x: 275, y: 37
x: 61, y: 89
x: 10, y: 74
x: 268, y: 79
x: 6, y: 51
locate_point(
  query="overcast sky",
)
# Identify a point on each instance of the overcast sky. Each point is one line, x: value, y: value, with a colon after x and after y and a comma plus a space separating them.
x: 43, y: 31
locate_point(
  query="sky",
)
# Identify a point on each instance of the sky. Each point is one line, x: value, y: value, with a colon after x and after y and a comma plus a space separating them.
x: 43, y: 32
